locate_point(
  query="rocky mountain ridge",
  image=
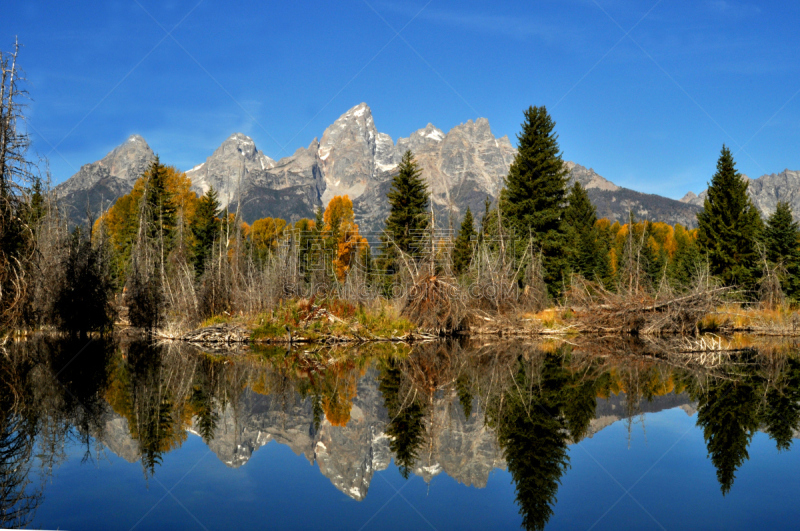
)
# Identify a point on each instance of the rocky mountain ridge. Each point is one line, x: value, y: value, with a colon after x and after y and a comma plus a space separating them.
x: 462, y: 167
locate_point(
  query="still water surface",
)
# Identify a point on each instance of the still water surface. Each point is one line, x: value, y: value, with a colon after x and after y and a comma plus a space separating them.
x: 131, y: 435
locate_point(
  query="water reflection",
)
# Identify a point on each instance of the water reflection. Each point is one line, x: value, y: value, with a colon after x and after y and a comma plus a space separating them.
x: 449, y: 407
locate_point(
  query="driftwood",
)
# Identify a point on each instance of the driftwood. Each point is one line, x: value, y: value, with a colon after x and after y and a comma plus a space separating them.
x: 221, y: 333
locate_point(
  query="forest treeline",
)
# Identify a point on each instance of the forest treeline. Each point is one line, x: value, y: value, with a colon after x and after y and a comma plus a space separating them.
x: 169, y: 259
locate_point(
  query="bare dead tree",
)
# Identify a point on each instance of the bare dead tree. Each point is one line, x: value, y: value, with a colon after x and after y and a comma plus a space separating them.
x: 15, y: 173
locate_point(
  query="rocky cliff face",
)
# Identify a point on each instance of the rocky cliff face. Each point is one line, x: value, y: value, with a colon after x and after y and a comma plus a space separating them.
x: 97, y: 185
x: 462, y: 168
x: 768, y: 190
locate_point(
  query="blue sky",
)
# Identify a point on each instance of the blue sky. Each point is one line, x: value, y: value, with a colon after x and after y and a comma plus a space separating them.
x: 645, y: 93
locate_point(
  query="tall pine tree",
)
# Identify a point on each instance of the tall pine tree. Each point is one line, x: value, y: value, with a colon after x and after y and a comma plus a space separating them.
x: 408, y: 213
x: 161, y: 206
x: 588, y: 251
x: 204, y: 227
x: 781, y: 241
x: 408, y: 203
x: 729, y: 226
x: 686, y: 258
x: 462, y: 249
x: 533, y: 201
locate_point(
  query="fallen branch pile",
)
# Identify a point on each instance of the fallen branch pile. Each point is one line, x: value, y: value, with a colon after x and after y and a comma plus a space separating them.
x: 600, y: 310
x: 435, y: 304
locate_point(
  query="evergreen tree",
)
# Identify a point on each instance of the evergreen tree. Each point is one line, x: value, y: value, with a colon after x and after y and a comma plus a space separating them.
x: 36, y: 205
x: 588, y: 251
x: 82, y: 300
x: 464, y: 395
x: 408, y: 204
x: 685, y: 260
x: 729, y: 226
x: 161, y: 206
x: 487, y: 210
x: 462, y: 249
x: 655, y: 257
x: 781, y: 236
x: 319, y: 221
x: 408, y: 218
x: 303, y: 232
x: 533, y: 201
x: 205, y: 227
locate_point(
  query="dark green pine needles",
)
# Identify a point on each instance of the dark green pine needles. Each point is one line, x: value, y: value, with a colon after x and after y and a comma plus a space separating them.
x: 588, y: 250
x: 462, y: 248
x: 534, y: 198
x: 729, y: 227
x: 162, y: 211
x: 204, y: 227
x: 781, y: 242
x: 408, y: 203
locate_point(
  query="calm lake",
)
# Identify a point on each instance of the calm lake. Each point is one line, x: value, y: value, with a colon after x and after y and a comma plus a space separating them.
x: 136, y: 435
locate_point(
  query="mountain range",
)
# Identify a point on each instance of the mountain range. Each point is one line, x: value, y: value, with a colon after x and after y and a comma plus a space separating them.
x: 462, y: 168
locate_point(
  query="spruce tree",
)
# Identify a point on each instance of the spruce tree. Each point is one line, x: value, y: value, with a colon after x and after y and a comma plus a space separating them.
x: 588, y: 251
x: 408, y: 216
x: 533, y: 201
x: 160, y: 204
x: 655, y: 259
x: 729, y: 226
x: 408, y: 203
x: 781, y: 241
x: 462, y: 249
x: 532, y: 432
x: 205, y: 226
x: 685, y: 260
x: 36, y: 205
x: 487, y: 210
x: 781, y: 414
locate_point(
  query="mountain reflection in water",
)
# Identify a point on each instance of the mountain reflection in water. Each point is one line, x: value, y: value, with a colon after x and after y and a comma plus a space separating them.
x: 454, y: 408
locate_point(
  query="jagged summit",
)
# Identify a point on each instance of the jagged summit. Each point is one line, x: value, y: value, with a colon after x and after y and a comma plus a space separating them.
x: 231, y: 168
x: 347, y: 153
x: 98, y: 184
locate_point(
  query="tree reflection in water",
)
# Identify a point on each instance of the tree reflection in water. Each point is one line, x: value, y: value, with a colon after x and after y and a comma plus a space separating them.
x: 535, y: 400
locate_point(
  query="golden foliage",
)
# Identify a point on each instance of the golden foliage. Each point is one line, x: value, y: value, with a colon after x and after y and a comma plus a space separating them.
x: 266, y: 233
x: 341, y: 231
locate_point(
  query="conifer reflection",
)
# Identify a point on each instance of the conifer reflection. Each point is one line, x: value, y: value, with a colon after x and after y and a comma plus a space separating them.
x: 782, y: 408
x: 543, y: 408
x: 406, y: 412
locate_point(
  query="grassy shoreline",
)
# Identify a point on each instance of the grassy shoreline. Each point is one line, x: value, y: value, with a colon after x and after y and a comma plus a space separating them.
x: 304, y: 321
